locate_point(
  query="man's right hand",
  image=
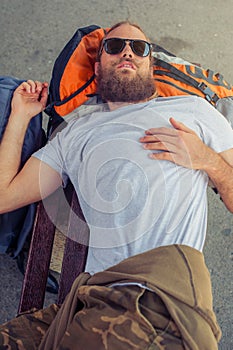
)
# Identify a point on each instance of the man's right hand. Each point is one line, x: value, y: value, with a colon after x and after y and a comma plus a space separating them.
x: 29, y: 99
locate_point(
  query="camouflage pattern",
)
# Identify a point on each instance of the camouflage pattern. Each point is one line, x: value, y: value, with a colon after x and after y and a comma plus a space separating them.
x: 122, y: 317
x: 117, y: 318
x: 26, y: 331
x: 103, y: 312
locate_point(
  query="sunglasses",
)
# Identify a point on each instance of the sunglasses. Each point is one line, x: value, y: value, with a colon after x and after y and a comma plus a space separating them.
x: 113, y: 46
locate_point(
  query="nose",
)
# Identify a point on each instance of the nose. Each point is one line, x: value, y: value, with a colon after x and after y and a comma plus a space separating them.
x: 127, y: 51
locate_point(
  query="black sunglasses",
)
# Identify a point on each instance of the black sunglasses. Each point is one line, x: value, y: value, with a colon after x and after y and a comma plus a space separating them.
x: 113, y: 46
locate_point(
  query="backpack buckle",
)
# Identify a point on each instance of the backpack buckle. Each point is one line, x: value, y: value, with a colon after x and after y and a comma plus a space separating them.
x: 209, y: 94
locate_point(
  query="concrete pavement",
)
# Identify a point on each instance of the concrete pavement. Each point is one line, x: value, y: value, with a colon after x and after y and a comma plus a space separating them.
x: 34, y: 32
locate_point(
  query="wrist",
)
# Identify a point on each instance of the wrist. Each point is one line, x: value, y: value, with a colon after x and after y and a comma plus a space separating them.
x: 213, y: 164
x: 20, y: 116
x: 17, y: 126
x: 19, y: 120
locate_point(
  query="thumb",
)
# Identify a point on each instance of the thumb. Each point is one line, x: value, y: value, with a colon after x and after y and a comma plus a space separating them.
x: 179, y: 126
x: 44, y: 95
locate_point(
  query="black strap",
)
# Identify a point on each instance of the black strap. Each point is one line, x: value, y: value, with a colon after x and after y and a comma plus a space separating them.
x: 210, y: 95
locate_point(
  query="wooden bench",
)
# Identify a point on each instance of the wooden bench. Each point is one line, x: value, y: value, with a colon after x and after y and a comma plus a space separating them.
x: 75, y: 252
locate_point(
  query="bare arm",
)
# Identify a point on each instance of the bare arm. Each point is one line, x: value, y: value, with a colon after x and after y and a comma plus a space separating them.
x: 36, y: 180
x: 182, y: 146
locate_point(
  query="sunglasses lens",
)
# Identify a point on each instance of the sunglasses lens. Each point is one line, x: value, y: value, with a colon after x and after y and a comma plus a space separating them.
x: 141, y: 48
x: 114, y: 46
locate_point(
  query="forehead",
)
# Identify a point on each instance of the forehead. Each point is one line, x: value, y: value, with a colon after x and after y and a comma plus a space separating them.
x: 126, y: 31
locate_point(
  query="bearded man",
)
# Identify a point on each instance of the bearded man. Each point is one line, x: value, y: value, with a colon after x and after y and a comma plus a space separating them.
x: 141, y: 178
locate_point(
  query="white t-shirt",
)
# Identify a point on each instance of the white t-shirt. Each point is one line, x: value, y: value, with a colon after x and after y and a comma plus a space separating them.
x: 131, y: 202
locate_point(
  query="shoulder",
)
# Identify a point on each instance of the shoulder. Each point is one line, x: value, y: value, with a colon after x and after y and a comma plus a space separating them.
x: 178, y: 99
x: 183, y: 101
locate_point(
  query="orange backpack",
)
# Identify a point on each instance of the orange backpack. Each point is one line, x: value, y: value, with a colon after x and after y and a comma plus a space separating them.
x: 73, y: 78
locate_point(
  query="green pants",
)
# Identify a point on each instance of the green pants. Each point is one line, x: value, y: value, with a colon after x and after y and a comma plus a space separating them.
x: 103, y: 312
x: 118, y: 318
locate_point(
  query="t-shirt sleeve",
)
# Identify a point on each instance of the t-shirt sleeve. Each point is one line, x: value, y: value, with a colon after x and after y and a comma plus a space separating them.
x: 216, y: 131
x: 52, y: 155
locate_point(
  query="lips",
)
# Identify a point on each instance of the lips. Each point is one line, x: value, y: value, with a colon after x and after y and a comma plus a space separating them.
x: 126, y: 65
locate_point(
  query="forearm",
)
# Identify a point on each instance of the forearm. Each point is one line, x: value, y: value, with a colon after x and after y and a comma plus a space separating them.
x: 221, y: 174
x: 11, y: 149
x: 34, y: 181
x: 28, y: 100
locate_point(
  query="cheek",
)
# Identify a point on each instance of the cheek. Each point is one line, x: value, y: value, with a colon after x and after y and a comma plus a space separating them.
x: 108, y: 60
x: 146, y: 68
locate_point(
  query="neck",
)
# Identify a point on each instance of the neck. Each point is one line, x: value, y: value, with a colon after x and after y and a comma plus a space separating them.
x: 115, y: 105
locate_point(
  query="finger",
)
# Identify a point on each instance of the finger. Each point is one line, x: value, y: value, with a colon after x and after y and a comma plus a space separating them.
x: 38, y: 86
x: 180, y: 126
x: 158, y: 146
x: 161, y: 142
x: 162, y: 156
x: 32, y: 85
x: 148, y: 139
x: 44, y: 95
x: 25, y: 86
x: 161, y: 131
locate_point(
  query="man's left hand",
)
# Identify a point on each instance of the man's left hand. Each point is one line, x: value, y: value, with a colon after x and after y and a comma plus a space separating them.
x: 179, y: 145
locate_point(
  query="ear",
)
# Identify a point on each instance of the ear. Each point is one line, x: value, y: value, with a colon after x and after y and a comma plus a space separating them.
x: 97, y: 64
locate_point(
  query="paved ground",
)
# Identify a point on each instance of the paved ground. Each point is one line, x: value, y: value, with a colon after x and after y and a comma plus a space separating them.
x: 33, y: 33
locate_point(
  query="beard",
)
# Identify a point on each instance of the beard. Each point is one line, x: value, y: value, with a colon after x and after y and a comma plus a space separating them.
x: 115, y: 87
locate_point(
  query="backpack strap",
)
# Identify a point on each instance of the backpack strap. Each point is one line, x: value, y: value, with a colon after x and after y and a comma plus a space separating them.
x: 173, y: 72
